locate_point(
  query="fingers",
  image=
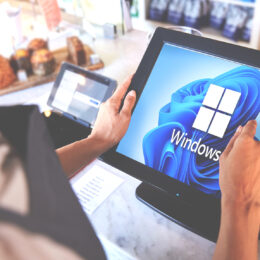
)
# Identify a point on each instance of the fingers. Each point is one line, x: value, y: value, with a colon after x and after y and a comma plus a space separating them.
x: 249, y: 129
x: 232, y: 140
x: 120, y: 92
x: 129, y: 103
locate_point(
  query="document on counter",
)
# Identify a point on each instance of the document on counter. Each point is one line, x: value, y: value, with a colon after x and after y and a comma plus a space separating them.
x: 93, y: 185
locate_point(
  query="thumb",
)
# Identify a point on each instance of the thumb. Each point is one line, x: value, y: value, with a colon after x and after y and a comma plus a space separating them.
x: 232, y: 141
x: 129, y: 103
x: 249, y: 129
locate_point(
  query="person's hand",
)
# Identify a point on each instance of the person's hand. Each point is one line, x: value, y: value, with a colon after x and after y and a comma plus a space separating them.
x: 110, y: 126
x: 112, y: 123
x: 239, y: 179
x: 240, y: 168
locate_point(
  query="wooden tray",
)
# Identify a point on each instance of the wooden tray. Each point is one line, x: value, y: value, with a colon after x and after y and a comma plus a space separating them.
x: 60, y: 55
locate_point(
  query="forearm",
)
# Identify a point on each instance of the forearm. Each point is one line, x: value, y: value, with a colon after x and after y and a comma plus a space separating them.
x: 79, y: 154
x: 238, y: 236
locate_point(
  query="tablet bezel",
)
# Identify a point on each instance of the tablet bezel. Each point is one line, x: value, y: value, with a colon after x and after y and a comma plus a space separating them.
x: 219, y: 49
x: 110, y: 83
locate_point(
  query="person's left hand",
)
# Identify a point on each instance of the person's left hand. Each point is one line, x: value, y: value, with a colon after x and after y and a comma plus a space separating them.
x: 112, y: 123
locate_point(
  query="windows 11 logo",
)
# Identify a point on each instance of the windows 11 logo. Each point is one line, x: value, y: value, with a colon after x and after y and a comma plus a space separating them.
x: 216, y: 110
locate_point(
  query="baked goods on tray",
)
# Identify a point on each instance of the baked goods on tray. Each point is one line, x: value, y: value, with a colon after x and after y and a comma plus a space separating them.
x: 7, y: 75
x: 76, y: 51
x: 43, y: 62
x: 36, y: 65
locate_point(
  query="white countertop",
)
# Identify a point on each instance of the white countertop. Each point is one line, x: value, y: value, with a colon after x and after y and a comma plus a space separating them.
x: 142, y: 232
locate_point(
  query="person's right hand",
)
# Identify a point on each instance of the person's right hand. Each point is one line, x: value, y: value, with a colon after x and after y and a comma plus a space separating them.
x: 112, y: 122
x: 240, y: 168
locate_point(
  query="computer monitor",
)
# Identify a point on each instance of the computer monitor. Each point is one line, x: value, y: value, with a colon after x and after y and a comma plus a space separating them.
x: 193, y: 93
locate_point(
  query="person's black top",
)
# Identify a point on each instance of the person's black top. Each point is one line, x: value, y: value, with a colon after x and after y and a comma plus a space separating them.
x: 54, y: 209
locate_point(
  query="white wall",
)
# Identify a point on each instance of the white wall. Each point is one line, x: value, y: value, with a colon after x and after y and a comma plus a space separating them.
x: 102, y: 11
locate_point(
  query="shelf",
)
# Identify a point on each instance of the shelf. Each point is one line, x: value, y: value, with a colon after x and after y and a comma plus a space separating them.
x: 236, y: 2
x: 215, y: 34
x: 209, y: 32
x: 148, y: 25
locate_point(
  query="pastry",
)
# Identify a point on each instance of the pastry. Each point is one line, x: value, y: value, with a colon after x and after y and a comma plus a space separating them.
x: 76, y: 51
x: 7, y: 75
x: 37, y: 44
x: 43, y: 62
x: 21, y: 61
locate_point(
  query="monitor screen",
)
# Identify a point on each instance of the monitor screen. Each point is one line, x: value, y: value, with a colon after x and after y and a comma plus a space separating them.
x: 189, y: 109
x: 79, y: 96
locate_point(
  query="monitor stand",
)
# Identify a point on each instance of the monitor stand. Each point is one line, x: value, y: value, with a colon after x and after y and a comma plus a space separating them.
x: 202, y: 222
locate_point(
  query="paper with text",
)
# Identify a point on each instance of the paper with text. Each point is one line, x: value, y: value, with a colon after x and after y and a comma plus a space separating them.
x: 93, y: 186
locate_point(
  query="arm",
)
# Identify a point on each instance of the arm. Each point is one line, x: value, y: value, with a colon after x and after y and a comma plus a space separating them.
x: 240, y: 203
x: 110, y: 126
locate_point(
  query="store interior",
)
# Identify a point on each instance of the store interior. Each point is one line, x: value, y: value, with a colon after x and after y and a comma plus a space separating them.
x: 232, y: 21
x: 110, y: 39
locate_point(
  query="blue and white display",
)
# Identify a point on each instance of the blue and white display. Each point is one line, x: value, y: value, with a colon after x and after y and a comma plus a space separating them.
x: 189, y: 109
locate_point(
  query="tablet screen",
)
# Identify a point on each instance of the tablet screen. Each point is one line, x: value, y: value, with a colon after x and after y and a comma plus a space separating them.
x: 79, y: 96
x: 189, y: 109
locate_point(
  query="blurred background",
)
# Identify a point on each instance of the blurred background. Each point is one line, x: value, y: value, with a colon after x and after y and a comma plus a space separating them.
x: 49, y: 24
x: 235, y: 20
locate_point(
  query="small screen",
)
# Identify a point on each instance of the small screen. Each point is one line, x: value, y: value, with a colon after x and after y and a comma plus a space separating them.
x: 79, y: 96
x: 188, y: 111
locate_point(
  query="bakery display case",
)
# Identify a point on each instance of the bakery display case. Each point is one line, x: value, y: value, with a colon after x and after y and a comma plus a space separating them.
x: 36, y: 57
x: 27, y: 68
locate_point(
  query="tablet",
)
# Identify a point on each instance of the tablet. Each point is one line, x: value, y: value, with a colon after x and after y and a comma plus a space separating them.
x: 78, y: 93
x: 193, y: 93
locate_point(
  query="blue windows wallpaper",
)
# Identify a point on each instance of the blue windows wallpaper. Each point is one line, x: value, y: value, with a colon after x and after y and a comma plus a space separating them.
x: 161, y: 133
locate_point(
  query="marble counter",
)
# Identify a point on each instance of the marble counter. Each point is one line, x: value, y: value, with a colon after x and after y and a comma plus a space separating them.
x: 142, y: 232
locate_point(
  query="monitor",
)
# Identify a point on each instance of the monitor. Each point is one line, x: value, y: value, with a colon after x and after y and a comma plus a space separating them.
x: 79, y: 93
x: 190, y: 107
x: 192, y: 94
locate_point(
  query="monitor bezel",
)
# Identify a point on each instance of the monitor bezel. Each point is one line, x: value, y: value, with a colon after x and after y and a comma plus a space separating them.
x: 246, y: 56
